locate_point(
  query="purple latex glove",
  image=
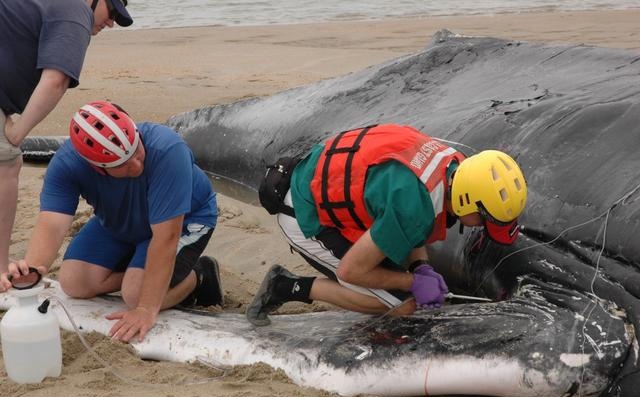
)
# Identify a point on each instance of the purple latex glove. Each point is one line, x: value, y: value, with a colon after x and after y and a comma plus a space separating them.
x: 428, y: 287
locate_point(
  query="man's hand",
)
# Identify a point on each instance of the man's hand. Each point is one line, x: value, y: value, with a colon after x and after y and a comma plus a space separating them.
x: 428, y: 287
x: 131, y: 322
x: 18, y: 273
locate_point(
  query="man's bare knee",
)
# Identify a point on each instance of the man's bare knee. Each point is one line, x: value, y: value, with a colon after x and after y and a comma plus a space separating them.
x: 75, y: 285
x: 75, y: 289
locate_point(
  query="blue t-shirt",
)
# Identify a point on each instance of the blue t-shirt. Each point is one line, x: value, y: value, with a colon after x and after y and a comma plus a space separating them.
x: 170, y: 185
x: 37, y: 35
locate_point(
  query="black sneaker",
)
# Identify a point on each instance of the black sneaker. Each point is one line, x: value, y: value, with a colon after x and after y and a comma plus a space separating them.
x: 265, y: 300
x: 208, y: 290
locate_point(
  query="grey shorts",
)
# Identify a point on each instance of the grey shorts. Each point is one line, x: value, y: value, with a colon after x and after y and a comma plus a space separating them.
x: 8, y: 152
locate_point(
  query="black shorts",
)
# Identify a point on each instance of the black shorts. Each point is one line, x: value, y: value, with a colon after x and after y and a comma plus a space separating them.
x: 93, y: 244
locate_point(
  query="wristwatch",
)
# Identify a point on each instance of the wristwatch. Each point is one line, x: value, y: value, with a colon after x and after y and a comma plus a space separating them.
x: 414, y: 265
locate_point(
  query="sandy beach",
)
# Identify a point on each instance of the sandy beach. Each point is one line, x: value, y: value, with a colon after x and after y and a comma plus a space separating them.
x: 157, y: 73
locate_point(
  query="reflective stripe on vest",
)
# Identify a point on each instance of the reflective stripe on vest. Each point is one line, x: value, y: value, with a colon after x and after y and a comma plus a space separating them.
x: 338, y: 182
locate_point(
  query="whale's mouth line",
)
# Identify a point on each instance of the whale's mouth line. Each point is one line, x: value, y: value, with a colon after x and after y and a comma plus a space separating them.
x: 234, y: 188
x: 583, y: 250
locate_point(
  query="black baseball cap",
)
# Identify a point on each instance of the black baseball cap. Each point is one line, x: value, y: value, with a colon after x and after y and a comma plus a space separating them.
x: 122, y: 16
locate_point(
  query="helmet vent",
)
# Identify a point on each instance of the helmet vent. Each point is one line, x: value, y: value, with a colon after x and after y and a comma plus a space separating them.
x: 88, y: 142
x: 517, y: 183
x: 504, y: 195
x: 98, y: 125
x: 115, y: 140
x: 506, y: 165
x: 494, y: 174
x: 114, y: 116
x: 466, y: 196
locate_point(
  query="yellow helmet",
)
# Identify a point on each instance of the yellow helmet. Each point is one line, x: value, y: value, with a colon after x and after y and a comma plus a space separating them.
x: 493, y: 180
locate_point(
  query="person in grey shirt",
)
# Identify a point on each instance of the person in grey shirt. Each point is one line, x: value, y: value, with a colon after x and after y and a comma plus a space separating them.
x: 42, y: 48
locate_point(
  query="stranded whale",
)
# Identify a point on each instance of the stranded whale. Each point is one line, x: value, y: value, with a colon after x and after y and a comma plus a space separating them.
x: 568, y: 290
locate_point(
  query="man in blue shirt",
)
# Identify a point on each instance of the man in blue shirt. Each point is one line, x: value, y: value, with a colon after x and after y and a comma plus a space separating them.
x: 42, y: 49
x: 154, y: 211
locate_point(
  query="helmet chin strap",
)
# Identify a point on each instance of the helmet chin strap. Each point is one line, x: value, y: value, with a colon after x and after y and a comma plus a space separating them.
x: 452, y: 218
x: 94, y: 5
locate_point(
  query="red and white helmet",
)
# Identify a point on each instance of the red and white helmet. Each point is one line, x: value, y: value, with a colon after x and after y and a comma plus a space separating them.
x: 104, y: 134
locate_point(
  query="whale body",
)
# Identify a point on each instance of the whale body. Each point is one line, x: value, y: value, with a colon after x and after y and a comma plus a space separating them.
x: 566, y: 313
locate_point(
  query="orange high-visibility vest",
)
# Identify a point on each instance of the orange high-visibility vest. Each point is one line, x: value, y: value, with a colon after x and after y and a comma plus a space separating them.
x: 338, y: 182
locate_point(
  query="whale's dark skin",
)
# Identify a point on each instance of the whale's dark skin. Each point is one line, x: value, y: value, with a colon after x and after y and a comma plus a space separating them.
x: 569, y: 115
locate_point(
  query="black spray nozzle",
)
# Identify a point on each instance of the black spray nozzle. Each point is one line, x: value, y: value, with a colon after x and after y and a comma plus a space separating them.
x: 44, y: 306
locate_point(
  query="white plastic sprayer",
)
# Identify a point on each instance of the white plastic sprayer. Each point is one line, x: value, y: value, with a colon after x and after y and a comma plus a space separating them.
x: 30, y: 336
